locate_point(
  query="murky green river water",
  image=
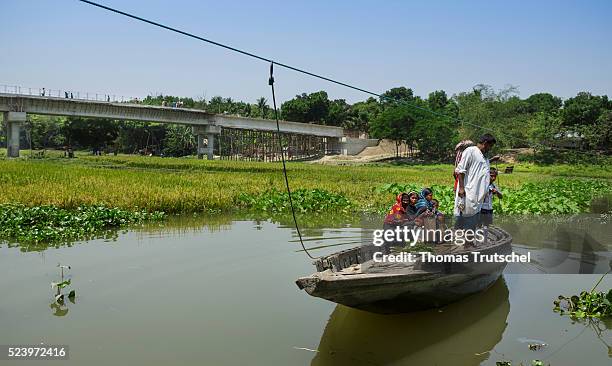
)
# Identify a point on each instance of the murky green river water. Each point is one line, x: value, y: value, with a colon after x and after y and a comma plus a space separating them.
x: 221, y: 292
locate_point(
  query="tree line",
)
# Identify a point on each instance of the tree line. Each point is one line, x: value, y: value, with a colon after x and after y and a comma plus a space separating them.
x: 431, y: 126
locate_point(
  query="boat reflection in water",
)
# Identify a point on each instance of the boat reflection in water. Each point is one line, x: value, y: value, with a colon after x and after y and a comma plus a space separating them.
x: 459, y: 334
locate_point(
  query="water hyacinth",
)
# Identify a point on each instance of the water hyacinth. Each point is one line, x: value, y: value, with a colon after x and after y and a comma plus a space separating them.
x: 558, y: 196
x: 52, y: 224
x: 586, y: 305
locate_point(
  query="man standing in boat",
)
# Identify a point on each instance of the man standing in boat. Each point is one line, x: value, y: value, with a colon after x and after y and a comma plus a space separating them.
x: 473, y: 183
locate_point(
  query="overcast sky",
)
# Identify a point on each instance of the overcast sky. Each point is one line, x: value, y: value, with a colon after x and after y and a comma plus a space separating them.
x: 561, y: 47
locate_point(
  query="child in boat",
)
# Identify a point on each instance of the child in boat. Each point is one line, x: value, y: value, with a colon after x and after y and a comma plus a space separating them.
x: 486, y: 213
x: 437, y: 213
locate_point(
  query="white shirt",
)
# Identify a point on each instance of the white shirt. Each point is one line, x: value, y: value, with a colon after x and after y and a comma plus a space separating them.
x: 476, y: 169
x: 488, y: 202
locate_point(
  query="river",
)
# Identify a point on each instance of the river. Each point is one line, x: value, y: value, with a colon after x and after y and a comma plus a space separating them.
x: 221, y: 291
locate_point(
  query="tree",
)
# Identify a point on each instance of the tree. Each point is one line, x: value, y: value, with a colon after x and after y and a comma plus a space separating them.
x: 584, y: 109
x: 361, y: 114
x: 543, y: 127
x: 543, y: 102
x: 435, y: 137
x: 90, y: 132
x: 338, y: 113
x: 394, y: 123
x: 262, y: 104
x: 501, y: 113
x: 135, y: 135
x: 312, y: 107
x: 397, y: 95
x: 179, y: 141
x: 484, y: 92
x: 599, y: 135
x: 216, y: 105
x: 437, y: 100
x: 45, y: 131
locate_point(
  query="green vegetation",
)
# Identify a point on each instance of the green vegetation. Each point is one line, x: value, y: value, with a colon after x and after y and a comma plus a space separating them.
x: 52, y: 224
x: 586, y: 305
x: 555, y: 196
x: 184, y: 185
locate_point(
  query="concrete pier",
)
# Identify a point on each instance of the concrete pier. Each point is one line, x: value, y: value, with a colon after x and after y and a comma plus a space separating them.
x: 210, y: 132
x: 14, y: 121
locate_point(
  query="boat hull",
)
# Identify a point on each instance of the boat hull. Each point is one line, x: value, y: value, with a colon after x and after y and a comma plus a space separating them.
x: 393, y: 290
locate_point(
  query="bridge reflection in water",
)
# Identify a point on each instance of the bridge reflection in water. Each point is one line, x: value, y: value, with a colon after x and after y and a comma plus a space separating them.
x: 460, y: 334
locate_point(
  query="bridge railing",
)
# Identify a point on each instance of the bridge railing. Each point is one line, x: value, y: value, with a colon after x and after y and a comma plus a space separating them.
x: 69, y: 94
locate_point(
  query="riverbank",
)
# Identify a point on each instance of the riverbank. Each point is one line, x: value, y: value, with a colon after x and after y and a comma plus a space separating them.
x: 186, y: 185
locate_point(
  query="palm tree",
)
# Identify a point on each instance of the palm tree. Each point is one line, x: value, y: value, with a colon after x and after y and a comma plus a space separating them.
x: 262, y: 103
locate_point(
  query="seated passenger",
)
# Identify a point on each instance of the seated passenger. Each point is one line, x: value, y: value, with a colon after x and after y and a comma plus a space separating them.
x: 411, y: 209
x: 424, y: 204
x: 398, y: 215
x: 437, y: 213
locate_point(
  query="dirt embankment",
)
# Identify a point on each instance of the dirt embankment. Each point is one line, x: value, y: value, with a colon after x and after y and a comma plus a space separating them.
x: 386, y: 150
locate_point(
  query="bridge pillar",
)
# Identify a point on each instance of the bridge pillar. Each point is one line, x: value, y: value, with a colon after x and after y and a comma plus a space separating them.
x: 208, y: 131
x: 14, y: 121
x: 332, y: 146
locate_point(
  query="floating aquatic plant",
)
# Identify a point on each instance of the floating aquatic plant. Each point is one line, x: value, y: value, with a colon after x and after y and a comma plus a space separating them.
x: 52, y: 224
x: 590, y: 304
x: 585, y: 305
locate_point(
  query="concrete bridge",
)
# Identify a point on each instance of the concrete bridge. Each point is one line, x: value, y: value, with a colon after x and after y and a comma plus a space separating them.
x: 204, y: 124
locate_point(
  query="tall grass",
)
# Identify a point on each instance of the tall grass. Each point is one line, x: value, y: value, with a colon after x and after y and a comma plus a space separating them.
x: 180, y: 185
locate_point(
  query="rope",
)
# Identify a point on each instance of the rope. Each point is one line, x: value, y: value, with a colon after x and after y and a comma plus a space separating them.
x: 280, y: 143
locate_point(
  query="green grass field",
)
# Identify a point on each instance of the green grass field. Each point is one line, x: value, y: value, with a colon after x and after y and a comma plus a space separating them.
x: 182, y: 185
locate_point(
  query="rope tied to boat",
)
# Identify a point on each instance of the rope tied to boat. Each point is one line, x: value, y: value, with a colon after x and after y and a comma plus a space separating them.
x: 280, y: 142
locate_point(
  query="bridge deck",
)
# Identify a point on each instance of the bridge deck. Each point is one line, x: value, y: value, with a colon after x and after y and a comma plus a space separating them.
x: 148, y: 113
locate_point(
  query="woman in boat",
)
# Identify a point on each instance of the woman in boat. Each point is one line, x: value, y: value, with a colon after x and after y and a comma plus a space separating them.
x: 424, y: 203
x: 398, y: 214
x: 411, y: 209
x: 402, y: 213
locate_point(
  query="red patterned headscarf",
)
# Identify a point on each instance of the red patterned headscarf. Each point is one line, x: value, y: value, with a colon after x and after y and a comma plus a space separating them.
x: 397, y: 212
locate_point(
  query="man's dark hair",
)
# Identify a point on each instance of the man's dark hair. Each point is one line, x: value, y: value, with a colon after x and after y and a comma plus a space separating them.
x: 487, y: 138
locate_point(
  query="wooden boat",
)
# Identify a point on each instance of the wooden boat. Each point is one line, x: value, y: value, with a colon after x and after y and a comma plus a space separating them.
x: 352, y: 278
